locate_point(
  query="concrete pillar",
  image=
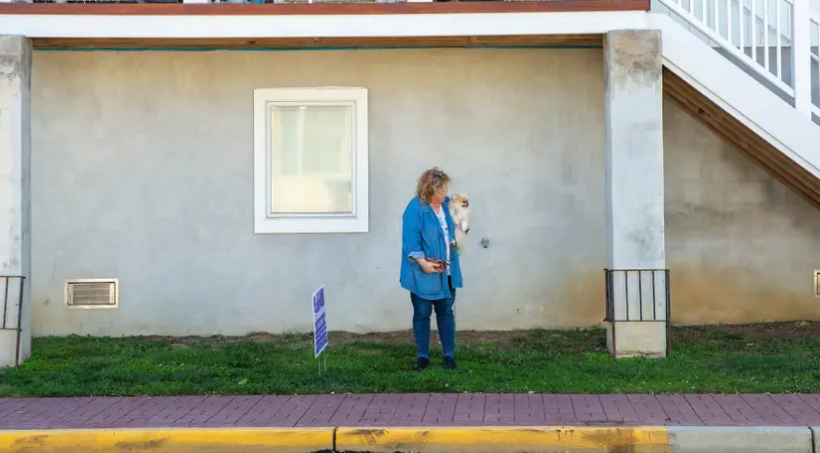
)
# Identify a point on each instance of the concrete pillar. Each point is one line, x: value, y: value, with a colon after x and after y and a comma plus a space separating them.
x: 15, y: 202
x: 634, y: 193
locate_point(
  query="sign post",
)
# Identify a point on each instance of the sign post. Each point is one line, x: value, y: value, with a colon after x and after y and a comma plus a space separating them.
x: 320, y: 338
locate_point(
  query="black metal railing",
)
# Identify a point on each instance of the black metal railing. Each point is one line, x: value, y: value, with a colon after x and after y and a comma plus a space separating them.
x: 11, y: 316
x: 640, y: 288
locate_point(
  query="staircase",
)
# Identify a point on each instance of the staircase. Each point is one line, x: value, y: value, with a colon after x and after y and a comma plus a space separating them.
x: 748, y: 69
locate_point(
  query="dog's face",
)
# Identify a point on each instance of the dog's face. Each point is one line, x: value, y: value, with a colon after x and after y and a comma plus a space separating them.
x: 460, y: 201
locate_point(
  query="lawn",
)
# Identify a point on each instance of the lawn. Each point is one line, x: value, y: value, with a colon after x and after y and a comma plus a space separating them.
x: 776, y: 358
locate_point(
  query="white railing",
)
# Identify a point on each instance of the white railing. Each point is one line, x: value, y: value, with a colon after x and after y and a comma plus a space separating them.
x: 814, y: 29
x: 775, y: 39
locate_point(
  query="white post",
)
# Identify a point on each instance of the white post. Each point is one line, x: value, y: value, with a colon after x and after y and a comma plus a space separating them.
x: 15, y: 201
x: 636, y: 244
x: 801, y: 56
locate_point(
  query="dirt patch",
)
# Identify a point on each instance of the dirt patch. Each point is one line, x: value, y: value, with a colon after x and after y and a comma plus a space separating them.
x: 799, y: 329
x: 467, y: 337
x: 499, y: 339
x: 509, y: 339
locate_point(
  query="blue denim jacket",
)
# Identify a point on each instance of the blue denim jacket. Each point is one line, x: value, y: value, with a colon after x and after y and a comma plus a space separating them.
x: 421, y: 236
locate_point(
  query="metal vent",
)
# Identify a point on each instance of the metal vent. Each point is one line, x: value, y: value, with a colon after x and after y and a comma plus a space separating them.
x: 817, y: 283
x: 91, y: 293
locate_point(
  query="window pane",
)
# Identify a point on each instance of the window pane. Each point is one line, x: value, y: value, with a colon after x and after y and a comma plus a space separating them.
x: 311, y: 160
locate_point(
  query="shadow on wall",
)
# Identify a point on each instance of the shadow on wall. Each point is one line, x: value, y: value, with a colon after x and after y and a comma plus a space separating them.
x: 575, y: 300
x: 704, y: 294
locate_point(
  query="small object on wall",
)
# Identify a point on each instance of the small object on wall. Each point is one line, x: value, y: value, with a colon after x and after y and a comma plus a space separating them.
x: 485, y: 242
x: 92, y: 293
x: 817, y: 283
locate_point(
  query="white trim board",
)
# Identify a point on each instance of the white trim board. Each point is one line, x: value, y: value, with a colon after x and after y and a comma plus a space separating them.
x: 319, y: 26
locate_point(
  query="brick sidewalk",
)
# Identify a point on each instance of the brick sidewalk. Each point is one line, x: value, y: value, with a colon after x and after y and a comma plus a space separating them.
x: 410, y: 410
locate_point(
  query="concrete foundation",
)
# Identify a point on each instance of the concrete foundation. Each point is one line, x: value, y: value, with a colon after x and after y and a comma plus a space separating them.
x: 631, y: 338
x: 8, y: 346
x: 15, y: 147
x: 634, y: 185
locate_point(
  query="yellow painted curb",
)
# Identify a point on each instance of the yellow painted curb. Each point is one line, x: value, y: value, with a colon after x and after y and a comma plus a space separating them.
x: 168, y: 440
x: 504, y: 439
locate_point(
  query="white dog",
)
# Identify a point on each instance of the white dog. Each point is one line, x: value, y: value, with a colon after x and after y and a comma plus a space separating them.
x: 460, y: 212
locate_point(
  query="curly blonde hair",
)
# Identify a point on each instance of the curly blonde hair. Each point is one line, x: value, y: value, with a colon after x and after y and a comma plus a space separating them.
x: 429, y: 183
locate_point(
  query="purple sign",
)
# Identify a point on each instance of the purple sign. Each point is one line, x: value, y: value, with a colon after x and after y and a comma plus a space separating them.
x: 319, y: 322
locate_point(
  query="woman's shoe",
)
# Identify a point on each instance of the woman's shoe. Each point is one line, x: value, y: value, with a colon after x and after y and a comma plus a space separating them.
x: 449, y: 363
x: 421, y: 364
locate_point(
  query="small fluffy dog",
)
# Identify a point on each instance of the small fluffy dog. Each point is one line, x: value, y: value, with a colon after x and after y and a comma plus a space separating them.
x: 460, y: 212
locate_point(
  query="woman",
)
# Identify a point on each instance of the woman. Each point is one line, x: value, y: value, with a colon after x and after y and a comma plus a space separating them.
x: 430, y: 267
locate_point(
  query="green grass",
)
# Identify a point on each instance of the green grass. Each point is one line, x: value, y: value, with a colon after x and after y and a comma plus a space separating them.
x: 714, y: 359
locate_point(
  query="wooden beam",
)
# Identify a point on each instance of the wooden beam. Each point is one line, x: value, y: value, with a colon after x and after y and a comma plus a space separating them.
x: 312, y: 43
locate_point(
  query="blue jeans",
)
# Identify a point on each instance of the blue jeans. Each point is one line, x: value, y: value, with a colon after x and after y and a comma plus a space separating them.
x: 445, y: 319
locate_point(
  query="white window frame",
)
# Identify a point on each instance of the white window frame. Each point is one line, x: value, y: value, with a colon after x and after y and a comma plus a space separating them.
x: 264, y: 222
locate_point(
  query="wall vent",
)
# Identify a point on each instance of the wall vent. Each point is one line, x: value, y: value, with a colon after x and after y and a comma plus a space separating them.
x: 817, y: 283
x: 92, y: 293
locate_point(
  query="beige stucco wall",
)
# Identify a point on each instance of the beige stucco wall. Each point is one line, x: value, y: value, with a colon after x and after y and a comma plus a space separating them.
x: 142, y: 170
x: 742, y: 246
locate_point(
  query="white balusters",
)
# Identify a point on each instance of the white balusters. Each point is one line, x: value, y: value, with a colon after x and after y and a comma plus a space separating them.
x: 765, y: 35
x: 779, y: 37
x: 801, y: 56
x: 814, y: 36
x: 741, y: 19
x: 753, y: 29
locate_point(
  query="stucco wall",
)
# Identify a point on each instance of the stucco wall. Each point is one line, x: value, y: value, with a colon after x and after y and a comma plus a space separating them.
x: 142, y: 170
x: 741, y: 245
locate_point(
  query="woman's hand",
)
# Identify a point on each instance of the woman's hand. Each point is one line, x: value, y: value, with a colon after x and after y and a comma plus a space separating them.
x: 428, y: 267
